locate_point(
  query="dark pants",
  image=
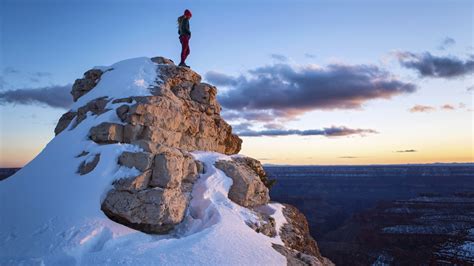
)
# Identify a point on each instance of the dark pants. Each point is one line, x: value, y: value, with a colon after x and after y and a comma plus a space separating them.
x: 184, y: 39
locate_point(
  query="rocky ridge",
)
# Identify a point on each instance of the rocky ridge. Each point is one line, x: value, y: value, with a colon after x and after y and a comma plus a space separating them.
x: 180, y: 116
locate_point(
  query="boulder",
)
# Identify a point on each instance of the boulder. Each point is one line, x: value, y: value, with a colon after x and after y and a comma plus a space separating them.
x: 257, y: 167
x: 85, y: 84
x: 140, y: 160
x: 96, y: 107
x: 204, y: 93
x: 64, y: 122
x: 132, y: 133
x: 107, y: 133
x: 190, y: 168
x: 156, y: 200
x: 154, y: 211
x: 168, y: 171
x: 254, y: 164
x: 122, y: 112
x: 133, y: 184
x: 162, y: 60
x: 88, y: 165
x: 247, y: 189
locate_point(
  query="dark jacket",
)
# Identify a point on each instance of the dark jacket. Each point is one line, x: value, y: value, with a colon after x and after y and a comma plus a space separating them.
x: 184, y: 27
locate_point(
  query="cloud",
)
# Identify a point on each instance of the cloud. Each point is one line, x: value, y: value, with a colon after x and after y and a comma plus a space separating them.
x: 252, y: 115
x: 220, y: 79
x: 10, y: 71
x: 448, y: 107
x: 421, y: 108
x: 284, y: 91
x: 446, y: 43
x: 428, y: 65
x: 406, y: 151
x: 53, y: 96
x: 41, y: 74
x: 327, y: 132
x: 279, y: 57
x: 470, y: 89
x: 3, y: 83
x: 273, y: 126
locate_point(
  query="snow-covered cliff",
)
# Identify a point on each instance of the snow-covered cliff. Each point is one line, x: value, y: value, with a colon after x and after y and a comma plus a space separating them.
x: 144, y: 171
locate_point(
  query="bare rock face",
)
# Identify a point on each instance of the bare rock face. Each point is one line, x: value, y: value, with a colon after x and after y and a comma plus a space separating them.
x: 140, y: 160
x: 154, y: 210
x: 296, y: 258
x: 96, y: 107
x: 156, y: 200
x: 247, y: 189
x: 183, y: 113
x: 107, y: 133
x: 162, y: 60
x: 178, y: 122
x: 168, y: 169
x: 300, y: 248
x: 257, y: 167
x: 64, y: 122
x: 85, y: 84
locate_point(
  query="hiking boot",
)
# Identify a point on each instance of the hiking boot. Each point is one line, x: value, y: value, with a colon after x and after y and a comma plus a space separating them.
x: 183, y: 65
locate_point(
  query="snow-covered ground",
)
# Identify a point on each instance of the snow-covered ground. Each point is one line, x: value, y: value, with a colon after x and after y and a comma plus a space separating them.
x: 50, y: 215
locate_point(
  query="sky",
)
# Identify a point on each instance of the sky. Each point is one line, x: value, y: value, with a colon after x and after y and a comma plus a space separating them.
x: 302, y: 82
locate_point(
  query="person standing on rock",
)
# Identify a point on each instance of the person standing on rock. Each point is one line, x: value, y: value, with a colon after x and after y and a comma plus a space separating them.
x: 184, y: 36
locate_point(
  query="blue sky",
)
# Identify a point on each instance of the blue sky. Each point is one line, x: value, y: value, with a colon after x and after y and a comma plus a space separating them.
x: 49, y: 43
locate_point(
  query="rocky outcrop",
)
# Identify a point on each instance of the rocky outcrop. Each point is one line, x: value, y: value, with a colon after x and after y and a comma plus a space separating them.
x: 247, y: 189
x: 295, y: 233
x: 96, y: 107
x: 300, y: 248
x: 264, y: 224
x: 180, y: 115
x: 156, y: 200
x: 85, y: 84
x: 87, y: 166
x: 107, y: 133
x: 296, y: 258
x: 64, y: 122
x: 181, y: 123
x: 257, y: 167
